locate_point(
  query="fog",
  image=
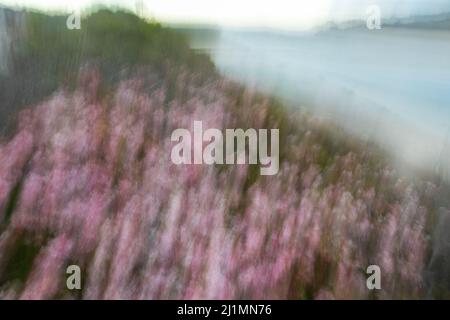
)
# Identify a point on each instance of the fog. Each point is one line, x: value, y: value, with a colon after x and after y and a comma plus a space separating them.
x: 391, y: 86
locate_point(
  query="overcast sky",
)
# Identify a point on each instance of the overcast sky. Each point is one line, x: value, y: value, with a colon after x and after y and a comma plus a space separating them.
x: 286, y: 14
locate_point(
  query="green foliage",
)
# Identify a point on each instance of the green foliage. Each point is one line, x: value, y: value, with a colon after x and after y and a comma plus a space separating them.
x: 48, y: 55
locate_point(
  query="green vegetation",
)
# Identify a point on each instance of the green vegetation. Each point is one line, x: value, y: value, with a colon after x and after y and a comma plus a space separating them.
x: 48, y: 55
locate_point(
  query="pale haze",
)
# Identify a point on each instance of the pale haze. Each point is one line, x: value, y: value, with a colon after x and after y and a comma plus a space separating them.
x: 283, y: 14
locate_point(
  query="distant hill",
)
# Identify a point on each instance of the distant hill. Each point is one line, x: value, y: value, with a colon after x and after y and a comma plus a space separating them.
x: 438, y: 22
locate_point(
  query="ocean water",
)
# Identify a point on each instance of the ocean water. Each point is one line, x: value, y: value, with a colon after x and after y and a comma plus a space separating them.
x: 391, y: 86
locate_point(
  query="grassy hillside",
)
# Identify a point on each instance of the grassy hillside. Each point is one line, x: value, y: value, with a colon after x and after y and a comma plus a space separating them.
x: 47, y: 55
